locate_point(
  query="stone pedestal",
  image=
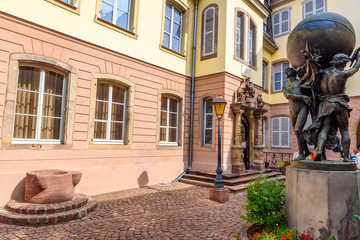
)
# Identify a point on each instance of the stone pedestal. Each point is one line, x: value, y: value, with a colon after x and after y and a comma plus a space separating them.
x: 258, y: 162
x: 219, y: 195
x: 238, y: 166
x: 323, y: 203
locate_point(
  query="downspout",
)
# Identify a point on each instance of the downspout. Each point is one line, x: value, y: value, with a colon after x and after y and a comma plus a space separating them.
x: 192, y: 93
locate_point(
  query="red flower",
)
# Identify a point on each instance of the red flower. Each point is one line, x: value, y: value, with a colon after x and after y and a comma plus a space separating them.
x: 291, y: 234
x: 283, y: 237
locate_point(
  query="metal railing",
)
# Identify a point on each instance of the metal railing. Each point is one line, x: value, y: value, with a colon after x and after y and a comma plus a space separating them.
x: 272, y: 159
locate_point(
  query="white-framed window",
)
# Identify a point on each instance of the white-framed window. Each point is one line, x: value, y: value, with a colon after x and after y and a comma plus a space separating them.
x: 280, y: 132
x: 71, y: 2
x: 264, y: 132
x: 209, y: 31
x: 313, y: 7
x: 40, y: 102
x: 208, y: 122
x: 169, y: 127
x: 264, y: 81
x: 172, y: 28
x: 110, y: 114
x: 281, y: 22
x: 252, y: 45
x: 239, y: 36
x: 116, y: 12
x: 280, y: 80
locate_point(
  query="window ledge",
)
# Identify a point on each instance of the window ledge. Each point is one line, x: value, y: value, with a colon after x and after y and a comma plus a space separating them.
x: 210, y: 148
x: 286, y: 147
x: 213, y: 55
x: 162, y: 146
x: 245, y: 63
x: 115, y: 27
x: 168, y: 50
x: 36, y: 146
x: 99, y: 146
x: 66, y: 6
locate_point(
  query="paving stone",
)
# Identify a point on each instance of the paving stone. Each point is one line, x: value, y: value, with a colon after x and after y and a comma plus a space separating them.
x: 174, y: 211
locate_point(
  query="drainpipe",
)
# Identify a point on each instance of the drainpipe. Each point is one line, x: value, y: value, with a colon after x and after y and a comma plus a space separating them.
x: 191, y: 97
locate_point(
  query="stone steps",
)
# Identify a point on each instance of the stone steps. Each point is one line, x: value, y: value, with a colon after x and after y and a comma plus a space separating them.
x: 19, y: 212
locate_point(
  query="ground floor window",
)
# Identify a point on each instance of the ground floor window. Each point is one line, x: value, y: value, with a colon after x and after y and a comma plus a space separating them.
x: 280, y: 129
x: 169, y: 121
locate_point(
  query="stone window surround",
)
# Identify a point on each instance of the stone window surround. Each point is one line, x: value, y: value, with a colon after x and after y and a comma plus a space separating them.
x: 180, y: 97
x: 282, y: 60
x: 133, y: 20
x: 201, y: 147
x: 272, y: 23
x: 213, y: 55
x: 267, y: 63
x: 247, y: 21
x: 129, y: 121
x: 184, y: 31
x: 10, y: 100
x: 66, y: 6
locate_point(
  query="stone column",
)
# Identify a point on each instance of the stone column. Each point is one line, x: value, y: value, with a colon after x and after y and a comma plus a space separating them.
x: 237, y: 162
x: 258, y: 159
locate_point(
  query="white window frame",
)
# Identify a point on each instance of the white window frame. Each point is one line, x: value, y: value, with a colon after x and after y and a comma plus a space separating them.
x: 115, y: 13
x: 239, y: 32
x: 167, y: 127
x: 280, y: 131
x: 109, y: 121
x: 251, y: 45
x: 70, y: 2
x: 280, y: 13
x: 204, y: 121
x: 264, y: 76
x: 283, y: 78
x: 171, y: 33
x: 39, y: 115
x: 314, y: 11
x: 263, y: 132
x: 211, y: 31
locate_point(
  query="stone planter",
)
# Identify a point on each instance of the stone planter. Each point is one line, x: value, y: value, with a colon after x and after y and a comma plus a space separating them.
x: 50, y: 186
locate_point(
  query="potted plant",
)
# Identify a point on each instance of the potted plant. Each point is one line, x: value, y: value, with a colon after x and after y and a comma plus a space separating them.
x: 282, y: 165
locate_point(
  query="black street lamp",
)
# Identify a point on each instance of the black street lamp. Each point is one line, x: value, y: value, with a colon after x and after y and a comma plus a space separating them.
x: 219, y: 104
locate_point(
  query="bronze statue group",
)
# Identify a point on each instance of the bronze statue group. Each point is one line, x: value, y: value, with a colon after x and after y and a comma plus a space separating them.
x: 321, y: 92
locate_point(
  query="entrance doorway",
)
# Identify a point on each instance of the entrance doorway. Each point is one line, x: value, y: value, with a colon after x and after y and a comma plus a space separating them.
x: 245, y: 141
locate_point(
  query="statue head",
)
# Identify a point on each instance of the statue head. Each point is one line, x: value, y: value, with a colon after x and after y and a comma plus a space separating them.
x: 340, y: 60
x: 290, y: 72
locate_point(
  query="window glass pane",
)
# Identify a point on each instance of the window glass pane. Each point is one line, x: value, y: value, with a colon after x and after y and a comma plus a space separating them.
x: 276, y: 18
x: 177, y: 16
x: 100, y: 130
x: 275, y: 126
x: 285, y: 27
x: 209, y: 103
x: 309, y: 7
x: 24, y: 126
x: 101, y: 110
x: 168, y: 10
x: 29, y: 78
x: 117, y: 112
x: 26, y: 102
x: 164, y: 103
x: 285, y: 15
x: 208, y: 43
x: 277, y: 77
x: 116, y: 131
x: 123, y: 4
x: 118, y: 94
x: 209, y: 20
x: 172, y: 134
x: 166, y: 42
x: 284, y: 139
x: 167, y: 26
x: 276, y: 29
x: 284, y: 124
x: 208, y: 136
x: 163, y: 121
x: 173, y: 120
x: 102, y: 92
x: 277, y: 85
x: 106, y: 12
x: 175, y: 44
x: 176, y: 30
x: 173, y: 105
x: 319, y: 4
x: 208, y: 121
x: 122, y: 19
x: 52, y: 106
x: 162, y: 134
x: 53, y: 83
x: 50, y: 128
x: 276, y: 139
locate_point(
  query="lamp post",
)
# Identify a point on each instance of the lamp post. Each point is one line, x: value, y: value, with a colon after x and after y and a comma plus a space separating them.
x: 219, y: 104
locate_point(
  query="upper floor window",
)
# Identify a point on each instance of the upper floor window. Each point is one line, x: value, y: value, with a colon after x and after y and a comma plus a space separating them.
x: 71, y: 2
x: 116, y: 12
x: 313, y: 7
x: 264, y: 83
x: 280, y: 132
x: 239, y: 49
x: 169, y: 119
x: 110, y: 114
x: 70, y: 5
x: 252, y: 44
x: 172, y: 28
x: 281, y: 22
x: 208, y: 122
x: 40, y: 102
x: 279, y: 76
x: 209, y: 32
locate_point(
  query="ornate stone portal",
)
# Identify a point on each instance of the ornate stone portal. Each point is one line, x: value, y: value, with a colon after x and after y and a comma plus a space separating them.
x: 253, y: 116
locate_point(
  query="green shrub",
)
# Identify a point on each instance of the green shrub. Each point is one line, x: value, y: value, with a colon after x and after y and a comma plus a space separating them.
x: 265, y: 203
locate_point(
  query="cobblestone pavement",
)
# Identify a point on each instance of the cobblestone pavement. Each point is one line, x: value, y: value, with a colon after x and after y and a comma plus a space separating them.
x: 174, y: 211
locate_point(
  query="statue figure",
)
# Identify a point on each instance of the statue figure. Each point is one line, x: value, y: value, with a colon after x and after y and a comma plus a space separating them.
x: 259, y: 101
x: 333, y: 110
x: 246, y: 92
x: 299, y: 104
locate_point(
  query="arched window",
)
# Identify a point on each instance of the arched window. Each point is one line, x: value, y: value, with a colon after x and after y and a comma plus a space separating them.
x: 209, y: 32
x: 252, y: 43
x: 169, y: 127
x: 208, y: 122
x: 280, y: 132
x: 239, y: 49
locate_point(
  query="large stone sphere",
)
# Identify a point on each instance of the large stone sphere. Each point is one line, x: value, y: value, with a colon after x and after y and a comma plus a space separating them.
x: 330, y: 32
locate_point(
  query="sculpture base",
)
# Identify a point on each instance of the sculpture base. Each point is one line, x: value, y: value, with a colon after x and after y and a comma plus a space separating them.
x: 219, y: 195
x: 237, y: 169
x: 324, y: 165
x: 323, y: 203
